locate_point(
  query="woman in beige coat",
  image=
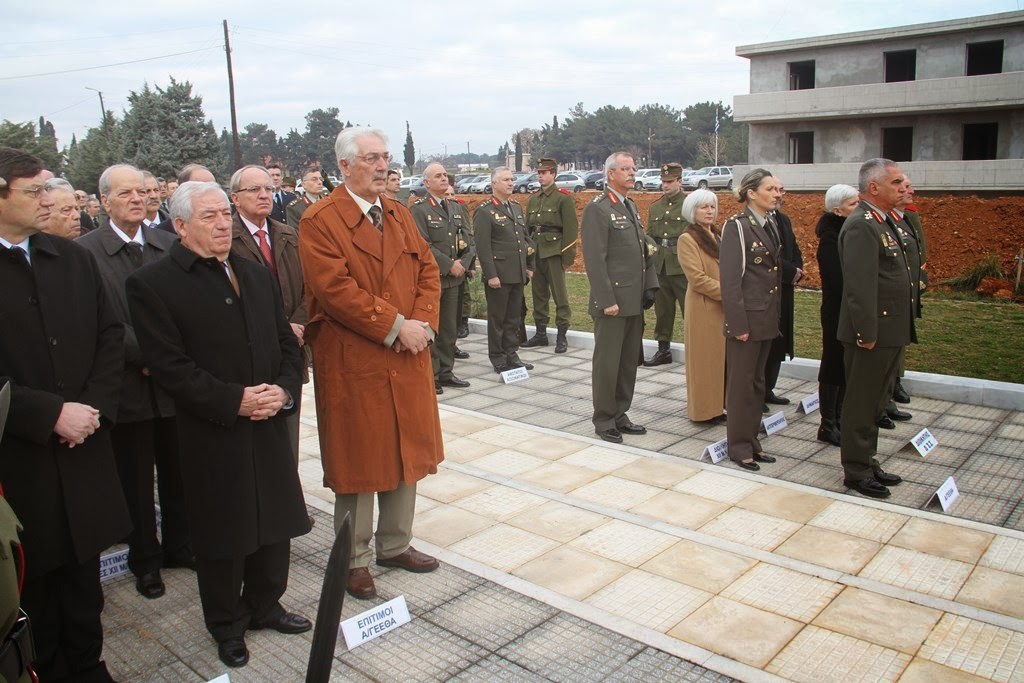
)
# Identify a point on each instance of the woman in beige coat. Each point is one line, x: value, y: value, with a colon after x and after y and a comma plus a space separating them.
x: 702, y: 327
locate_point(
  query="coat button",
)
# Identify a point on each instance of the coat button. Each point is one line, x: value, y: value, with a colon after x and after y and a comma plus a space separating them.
x: 394, y: 373
x: 378, y: 309
x: 60, y: 384
x: 373, y: 318
x: 53, y: 341
x: 229, y: 301
x: 386, y: 296
x: 33, y: 301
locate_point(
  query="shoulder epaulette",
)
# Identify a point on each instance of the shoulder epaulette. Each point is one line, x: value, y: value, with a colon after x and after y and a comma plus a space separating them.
x: 564, y: 191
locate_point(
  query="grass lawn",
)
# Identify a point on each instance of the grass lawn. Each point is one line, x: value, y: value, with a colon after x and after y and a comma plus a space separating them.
x: 983, y: 339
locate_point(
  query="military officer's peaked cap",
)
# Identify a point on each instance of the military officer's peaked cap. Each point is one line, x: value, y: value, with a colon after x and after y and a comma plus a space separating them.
x: 546, y: 164
x: 671, y: 171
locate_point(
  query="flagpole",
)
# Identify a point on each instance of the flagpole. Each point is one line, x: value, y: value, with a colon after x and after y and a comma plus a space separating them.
x: 716, y: 136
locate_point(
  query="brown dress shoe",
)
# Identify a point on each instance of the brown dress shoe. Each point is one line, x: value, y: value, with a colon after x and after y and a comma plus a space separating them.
x: 411, y: 560
x: 360, y: 583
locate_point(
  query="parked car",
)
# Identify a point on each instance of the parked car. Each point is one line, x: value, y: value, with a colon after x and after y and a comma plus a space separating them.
x: 570, y: 181
x: 459, y: 177
x: 717, y: 177
x: 462, y: 184
x: 647, y: 179
x: 522, y: 184
x: 414, y: 184
x: 591, y: 178
x: 480, y: 185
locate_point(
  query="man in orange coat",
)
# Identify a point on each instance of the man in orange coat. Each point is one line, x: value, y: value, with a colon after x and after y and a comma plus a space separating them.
x: 373, y: 290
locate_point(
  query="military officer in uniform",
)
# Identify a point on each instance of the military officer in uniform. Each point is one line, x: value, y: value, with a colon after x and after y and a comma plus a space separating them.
x: 445, y: 226
x: 312, y: 191
x: 622, y: 284
x: 665, y: 225
x: 506, y: 260
x: 551, y: 215
x: 876, y: 320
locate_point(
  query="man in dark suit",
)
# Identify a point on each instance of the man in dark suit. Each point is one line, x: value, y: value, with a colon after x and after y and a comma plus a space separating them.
x: 791, y: 264
x: 154, y: 214
x: 62, y: 353
x: 876, y: 320
x: 275, y: 245
x: 506, y: 259
x: 145, y: 435
x: 213, y: 333
x: 281, y: 198
x: 622, y: 284
x: 188, y: 172
x: 444, y: 225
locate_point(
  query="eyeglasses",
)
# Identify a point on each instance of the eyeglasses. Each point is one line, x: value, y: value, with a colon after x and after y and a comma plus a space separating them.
x: 32, y: 192
x: 255, y: 189
x: 373, y: 157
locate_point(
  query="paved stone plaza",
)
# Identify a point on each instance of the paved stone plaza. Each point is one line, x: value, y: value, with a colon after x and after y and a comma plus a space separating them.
x: 566, y: 558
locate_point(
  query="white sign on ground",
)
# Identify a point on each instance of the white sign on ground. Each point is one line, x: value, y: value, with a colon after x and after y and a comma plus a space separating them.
x: 223, y: 678
x: 375, y: 622
x: 773, y: 423
x: 514, y: 375
x: 113, y: 564
x: 716, y: 452
x: 946, y: 495
x: 808, y: 404
x: 924, y: 442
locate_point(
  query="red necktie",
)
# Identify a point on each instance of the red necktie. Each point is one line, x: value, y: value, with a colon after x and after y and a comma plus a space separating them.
x: 268, y: 257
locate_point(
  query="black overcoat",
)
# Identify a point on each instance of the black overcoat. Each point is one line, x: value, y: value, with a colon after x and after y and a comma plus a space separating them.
x: 60, y: 341
x: 790, y: 259
x: 204, y: 344
x: 830, y: 268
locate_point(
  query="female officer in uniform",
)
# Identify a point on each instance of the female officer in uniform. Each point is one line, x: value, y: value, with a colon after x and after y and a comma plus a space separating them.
x: 751, y: 280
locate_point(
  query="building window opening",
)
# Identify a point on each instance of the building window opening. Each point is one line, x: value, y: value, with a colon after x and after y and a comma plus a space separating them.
x: 900, y: 66
x: 801, y: 148
x: 801, y: 75
x: 898, y: 143
x: 980, y: 141
x: 985, y: 58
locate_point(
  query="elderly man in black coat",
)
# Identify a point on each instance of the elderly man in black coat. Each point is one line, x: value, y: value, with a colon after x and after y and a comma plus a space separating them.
x: 213, y: 333
x: 61, y: 351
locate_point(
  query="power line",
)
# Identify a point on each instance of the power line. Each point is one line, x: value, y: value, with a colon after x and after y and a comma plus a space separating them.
x: 116, y: 36
x: 104, y: 66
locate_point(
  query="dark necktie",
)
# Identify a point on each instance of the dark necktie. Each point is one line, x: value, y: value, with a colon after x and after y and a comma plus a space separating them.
x: 134, y: 251
x: 769, y: 226
x: 18, y: 255
x: 268, y: 256
x: 442, y: 205
x: 377, y: 217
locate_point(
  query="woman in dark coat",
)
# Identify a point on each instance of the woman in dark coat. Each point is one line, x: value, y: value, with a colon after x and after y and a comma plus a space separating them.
x: 840, y: 201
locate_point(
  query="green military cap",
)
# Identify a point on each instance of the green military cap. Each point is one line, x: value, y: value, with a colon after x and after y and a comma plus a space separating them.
x: 546, y: 164
x: 288, y: 180
x: 671, y: 171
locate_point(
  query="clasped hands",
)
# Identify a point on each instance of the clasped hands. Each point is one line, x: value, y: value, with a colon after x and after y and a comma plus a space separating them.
x: 76, y: 422
x: 262, y: 401
x: 413, y: 336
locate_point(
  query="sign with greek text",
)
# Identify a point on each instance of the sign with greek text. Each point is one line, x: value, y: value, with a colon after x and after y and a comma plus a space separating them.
x: 716, y: 452
x: 924, y: 442
x: 223, y: 678
x: 946, y: 496
x: 375, y: 622
x: 808, y: 404
x: 113, y: 564
x: 773, y: 423
x: 514, y: 375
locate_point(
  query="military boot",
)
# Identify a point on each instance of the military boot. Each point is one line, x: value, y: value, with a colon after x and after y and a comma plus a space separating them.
x: 828, y: 395
x: 539, y: 338
x: 463, y: 328
x: 663, y: 356
x: 561, y: 343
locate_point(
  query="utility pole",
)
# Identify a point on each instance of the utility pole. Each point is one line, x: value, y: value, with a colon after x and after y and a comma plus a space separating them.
x: 236, y: 151
x: 103, y: 115
x: 650, y: 149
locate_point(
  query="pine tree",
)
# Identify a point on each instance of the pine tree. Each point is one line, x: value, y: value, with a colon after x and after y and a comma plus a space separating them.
x: 410, y: 150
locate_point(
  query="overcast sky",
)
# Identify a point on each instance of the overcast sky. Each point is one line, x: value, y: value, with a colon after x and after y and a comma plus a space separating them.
x: 460, y: 72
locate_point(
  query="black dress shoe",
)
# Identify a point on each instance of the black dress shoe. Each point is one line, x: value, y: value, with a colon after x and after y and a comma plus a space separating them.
x: 869, y: 487
x: 535, y: 341
x: 886, y: 423
x: 764, y: 457
x: 524, y: 364
x: 887, y: 479
x: 752, y: 466
x: 501, y: 368
x: 150, y: 585
x: 437, y: 388
x: 899, y: 394
x: 460, y: 354
x: 611, y: 435
x: 897, y: 414
x: 829, y: 435
x: 288, y: 622
x: 660, y: 357
x: 233, y: 652
x: 454, y: 381
x: 776, y: 400
x: 631, y: 428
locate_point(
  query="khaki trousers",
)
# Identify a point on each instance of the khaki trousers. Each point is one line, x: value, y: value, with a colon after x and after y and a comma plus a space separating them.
x: 394, y: 524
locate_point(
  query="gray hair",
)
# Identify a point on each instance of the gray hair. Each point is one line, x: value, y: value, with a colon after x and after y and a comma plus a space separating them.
x: 611, y: 162
x: 495, y: 172
x: 146, y: 175
x: 346, y: 147
x: 751, y: 181
x: 837, y: 195
x: 872, y: 171
x: 109, y: 170
x: 694, y: 201
x: 236, y: 177
x: 181, y: 200
x: 92, y: 200
x: 58, y: 184
x: 185, y: 174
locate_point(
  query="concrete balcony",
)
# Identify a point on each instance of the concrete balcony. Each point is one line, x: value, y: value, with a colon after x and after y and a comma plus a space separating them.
x: 963, y: 93
x: 945, y: 176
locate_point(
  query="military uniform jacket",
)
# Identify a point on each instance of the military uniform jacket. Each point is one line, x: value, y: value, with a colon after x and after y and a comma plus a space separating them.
x: 665, y: 224
x: 751, y: 284
x: 912, y: 249
x: 62, y: 342
x: 293, y: 212
x: 553, y: 208
x: 618, y: 261
x: 878, y: 299
x: 448, y: 234
x: 502, y: 243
